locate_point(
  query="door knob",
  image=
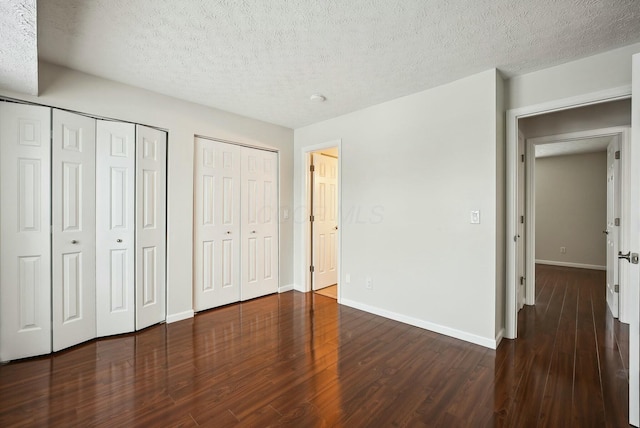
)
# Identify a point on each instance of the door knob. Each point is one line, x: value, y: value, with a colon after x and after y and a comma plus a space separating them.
x: 606, y: 232
x: 74, y: 242
x: 624, y: 256
x: 118, y: 240
x: 253, y: 231
x: 335, y: 228
x: 228, y: 232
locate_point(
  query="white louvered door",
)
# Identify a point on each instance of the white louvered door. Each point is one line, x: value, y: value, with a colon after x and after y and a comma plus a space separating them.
x: 216, y: 224
x: 259, y: 219
x: 115, y: 227
x: 151, y: 224
x: 25, y: 240
x: 74, y: 229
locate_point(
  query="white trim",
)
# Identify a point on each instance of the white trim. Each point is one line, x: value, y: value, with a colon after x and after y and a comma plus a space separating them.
x: 180, y: 316
x: 437, y: 328
x: 305, y: 225
x: 499, y: 337
x: 511, y: 304
x: 570, y: 264
x: 285, y: 288
x: 530, y: 230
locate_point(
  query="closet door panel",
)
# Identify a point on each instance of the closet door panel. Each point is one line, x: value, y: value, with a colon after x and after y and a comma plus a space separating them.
x: 25, y: 243
x: 74, y: 229
x: 115, y: 227
x: 259, y: 250
x: 151, y: 149
x: 216, y: 224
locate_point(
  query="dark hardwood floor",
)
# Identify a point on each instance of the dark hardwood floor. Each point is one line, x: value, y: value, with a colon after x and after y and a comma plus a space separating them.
x: 302, y: 360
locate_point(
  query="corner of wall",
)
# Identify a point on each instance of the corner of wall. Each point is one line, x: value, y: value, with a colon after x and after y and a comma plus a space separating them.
x: 500, y: 207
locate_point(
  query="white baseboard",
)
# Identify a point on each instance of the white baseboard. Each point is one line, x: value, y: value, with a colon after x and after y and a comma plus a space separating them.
x: 570, y: 264
x: 180, y: 316
x: 447, y: 331
x: 299, y: 288
x: 285, y: 288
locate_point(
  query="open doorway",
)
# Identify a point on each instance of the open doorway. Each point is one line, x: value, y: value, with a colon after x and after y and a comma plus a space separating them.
x: 577, y: 220
x: 323, y: 221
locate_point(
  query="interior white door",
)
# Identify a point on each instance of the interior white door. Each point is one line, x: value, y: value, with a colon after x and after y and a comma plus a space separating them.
x: 613, y: 230
x: 74, y: 229
x: 151, y: 226
x: 634, y: 247
x: 325, y: 220
x: 259, y: 223
x: 25, y: 240
x: 217, y: 224
x: 115, y: 227
x: 521, y: 222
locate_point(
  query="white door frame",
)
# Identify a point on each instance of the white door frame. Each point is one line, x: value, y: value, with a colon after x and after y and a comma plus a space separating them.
x: 512, y: 116
x: 621, y: 132
x: 305, y: 224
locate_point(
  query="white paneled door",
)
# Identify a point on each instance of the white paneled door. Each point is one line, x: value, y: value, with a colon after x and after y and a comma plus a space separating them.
x: 259, y: 223
x: 115, y: 227
x: 613, y: 230
x: 325, y: 220
x: 151, y: 171
x: 25, y: 245
x: 217, y: 224
x: 74, y: 229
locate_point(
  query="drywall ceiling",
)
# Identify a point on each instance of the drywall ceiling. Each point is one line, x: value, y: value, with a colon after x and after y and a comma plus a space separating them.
x: 264, y: 59
x: 18, y: 46
x: 574, y: 147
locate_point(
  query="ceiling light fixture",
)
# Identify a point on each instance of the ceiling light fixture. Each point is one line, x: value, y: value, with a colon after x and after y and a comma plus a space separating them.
x: 318, y: 98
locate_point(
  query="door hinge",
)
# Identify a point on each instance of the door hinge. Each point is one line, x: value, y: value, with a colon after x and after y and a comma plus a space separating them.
x: 521, y: 219
x: 311, y: 218
x: 616, y: 288
x: 617, y: 221
x: 617, y: 155
x: 311, y: 269
x: 312, y: 168
x: 522, y: 280
x: 521, y: 158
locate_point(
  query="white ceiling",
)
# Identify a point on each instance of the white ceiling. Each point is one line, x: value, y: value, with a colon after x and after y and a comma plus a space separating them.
x: 263, y: 59
x: 18, y: 46
x: 573, y: 147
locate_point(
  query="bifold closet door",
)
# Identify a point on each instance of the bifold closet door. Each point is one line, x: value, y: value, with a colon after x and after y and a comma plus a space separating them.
x: 115, y: 227
x: 74, y: 229
x: 217, y: 224
x: 151, y: 225
x: 25, y: 243
x: 259, y: 222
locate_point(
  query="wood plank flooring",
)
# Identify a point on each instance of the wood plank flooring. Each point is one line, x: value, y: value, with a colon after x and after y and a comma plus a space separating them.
x: 302, y: 360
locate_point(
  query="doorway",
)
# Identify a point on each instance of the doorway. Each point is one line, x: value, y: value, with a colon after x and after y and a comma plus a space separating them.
x: 323, y: 230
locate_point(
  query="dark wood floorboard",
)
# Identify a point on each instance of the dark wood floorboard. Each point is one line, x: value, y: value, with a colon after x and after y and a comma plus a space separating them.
x: 302, y: 360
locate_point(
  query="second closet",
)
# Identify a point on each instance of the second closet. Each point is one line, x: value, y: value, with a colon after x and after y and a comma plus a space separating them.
x: 235, y: 223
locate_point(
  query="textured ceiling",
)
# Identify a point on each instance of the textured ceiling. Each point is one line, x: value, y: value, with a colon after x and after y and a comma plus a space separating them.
x: 18, y: 46
x: 574, y: 147
x: 263, y: 59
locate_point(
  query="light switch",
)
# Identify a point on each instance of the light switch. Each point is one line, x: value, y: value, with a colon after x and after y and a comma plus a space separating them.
x: 475, y: 217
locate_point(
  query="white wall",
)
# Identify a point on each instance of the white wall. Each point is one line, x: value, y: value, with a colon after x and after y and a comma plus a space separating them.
x: 65, y: 88
x: 571, y: 209
x: 603, y: 115
x: 611, y: 69
x: 412, y: 170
